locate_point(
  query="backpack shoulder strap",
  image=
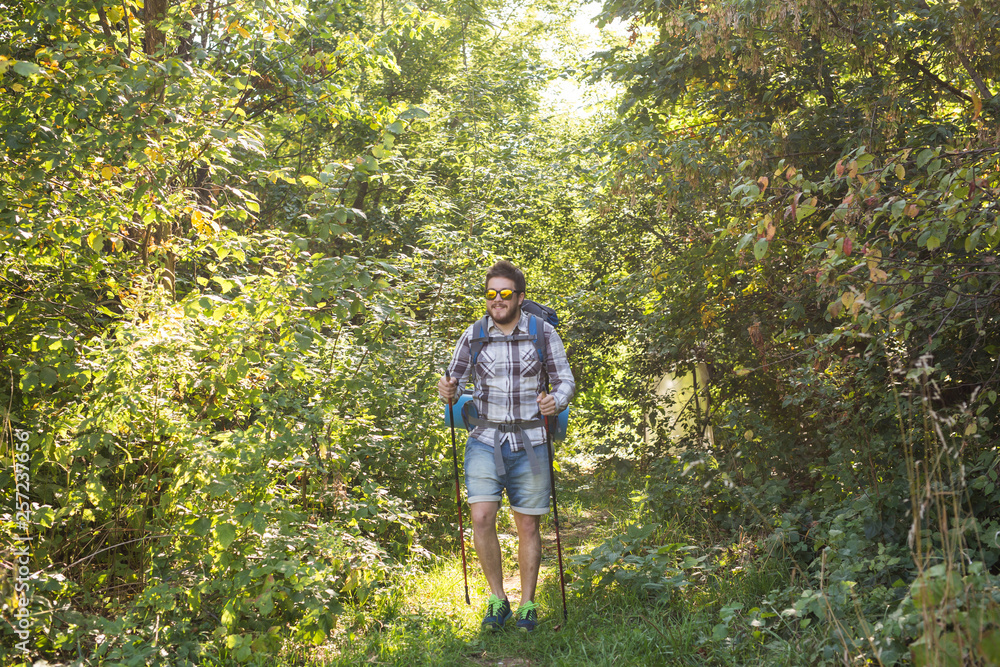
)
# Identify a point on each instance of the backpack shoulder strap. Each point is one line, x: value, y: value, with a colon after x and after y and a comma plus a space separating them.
x: 536, y: 338
x: 479, y: 338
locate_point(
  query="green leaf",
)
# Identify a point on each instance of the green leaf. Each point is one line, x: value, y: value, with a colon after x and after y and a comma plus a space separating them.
x: 989, y: 646
x: 972, y: 240
x: 803, y: 211
x: 413, y: 112
x: 864, y: 160
x: 924, y: 156
x: 265, y: 604
x: 201, y: 526
x: 225, y: 533
x: 760, y: 248
x: 48, y: 377
x: 303, y: 341
x: 26, y: 68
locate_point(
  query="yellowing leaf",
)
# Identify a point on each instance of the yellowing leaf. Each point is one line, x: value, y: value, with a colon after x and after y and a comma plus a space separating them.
x: 872, y: 258
x: 900, y: 171
x: 107, y: 173
x: 977, y: 104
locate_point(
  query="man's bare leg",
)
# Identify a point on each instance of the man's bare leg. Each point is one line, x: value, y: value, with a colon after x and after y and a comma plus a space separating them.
x: 484, y: 536
x: 529, y: 553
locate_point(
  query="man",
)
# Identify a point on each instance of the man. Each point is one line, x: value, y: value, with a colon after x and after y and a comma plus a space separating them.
x: 507, y: 448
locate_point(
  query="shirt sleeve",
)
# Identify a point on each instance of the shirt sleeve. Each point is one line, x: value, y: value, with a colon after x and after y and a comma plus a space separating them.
x: 560, y: 374
x: 461, y: 361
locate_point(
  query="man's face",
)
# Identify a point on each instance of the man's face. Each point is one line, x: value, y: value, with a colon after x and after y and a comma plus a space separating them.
x: 504, y: 312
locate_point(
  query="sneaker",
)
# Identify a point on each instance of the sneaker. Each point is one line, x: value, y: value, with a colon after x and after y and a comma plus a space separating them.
x: 527, y: 616
x: 497, y: 613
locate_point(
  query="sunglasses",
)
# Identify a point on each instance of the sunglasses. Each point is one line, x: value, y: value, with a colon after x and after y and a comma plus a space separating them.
x: 505, y: 294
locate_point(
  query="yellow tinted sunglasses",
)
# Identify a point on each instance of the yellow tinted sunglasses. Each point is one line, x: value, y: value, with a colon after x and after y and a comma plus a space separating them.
x: 505, y: 294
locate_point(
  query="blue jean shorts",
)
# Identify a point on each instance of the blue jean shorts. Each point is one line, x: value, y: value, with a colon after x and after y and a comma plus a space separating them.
x: 527, y: 493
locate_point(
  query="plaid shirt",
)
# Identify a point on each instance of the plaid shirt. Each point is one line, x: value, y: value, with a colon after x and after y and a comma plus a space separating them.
x: 509, y: 379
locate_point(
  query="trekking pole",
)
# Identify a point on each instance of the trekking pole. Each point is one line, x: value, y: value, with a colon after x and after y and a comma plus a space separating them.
x: 458, y: 495
x: 555, y: 513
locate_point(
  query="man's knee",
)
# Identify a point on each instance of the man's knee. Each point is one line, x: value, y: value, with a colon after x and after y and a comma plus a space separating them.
x: 527, y: 524
x: 484, y: 516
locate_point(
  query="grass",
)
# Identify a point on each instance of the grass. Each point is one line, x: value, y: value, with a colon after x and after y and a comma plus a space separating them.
x: 425, y: 620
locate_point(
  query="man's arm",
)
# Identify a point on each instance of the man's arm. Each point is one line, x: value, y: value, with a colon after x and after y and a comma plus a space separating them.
x: 560, y: 374
x: 459, y: 368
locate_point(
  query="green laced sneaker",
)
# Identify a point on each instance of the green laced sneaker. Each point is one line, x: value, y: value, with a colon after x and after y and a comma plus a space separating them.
x: 497, y: 613
x: 527, y: 616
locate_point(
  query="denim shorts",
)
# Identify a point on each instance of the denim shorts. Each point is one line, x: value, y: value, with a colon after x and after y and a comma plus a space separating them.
x: 527, y: 493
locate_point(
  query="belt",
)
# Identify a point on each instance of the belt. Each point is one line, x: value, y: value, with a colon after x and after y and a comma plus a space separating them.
x: 510, y: 427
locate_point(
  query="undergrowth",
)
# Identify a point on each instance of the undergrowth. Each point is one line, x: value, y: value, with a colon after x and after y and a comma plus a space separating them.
x: 637, y: 594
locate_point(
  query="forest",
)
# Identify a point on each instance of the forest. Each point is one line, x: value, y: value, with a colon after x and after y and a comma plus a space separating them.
x: 240, y: 238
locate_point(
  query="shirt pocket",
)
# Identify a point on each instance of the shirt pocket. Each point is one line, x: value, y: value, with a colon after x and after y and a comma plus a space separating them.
x: 486, y: 364
x: 530, y: 365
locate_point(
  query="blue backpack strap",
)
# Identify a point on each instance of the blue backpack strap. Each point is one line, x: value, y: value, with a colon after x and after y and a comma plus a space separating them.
x: 479, y: 339
x: 539, y: 341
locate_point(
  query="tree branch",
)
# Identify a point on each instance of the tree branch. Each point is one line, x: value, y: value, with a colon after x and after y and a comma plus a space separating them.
x: 984, y: 92
x: 936, y: 79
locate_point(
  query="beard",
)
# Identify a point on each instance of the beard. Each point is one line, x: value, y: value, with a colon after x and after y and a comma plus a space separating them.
x: 510, y: 314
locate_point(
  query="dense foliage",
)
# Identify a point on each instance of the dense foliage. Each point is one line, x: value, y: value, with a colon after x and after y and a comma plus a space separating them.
x: 238, y: 241
x: 231, y: 274
x: 816, y: 189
